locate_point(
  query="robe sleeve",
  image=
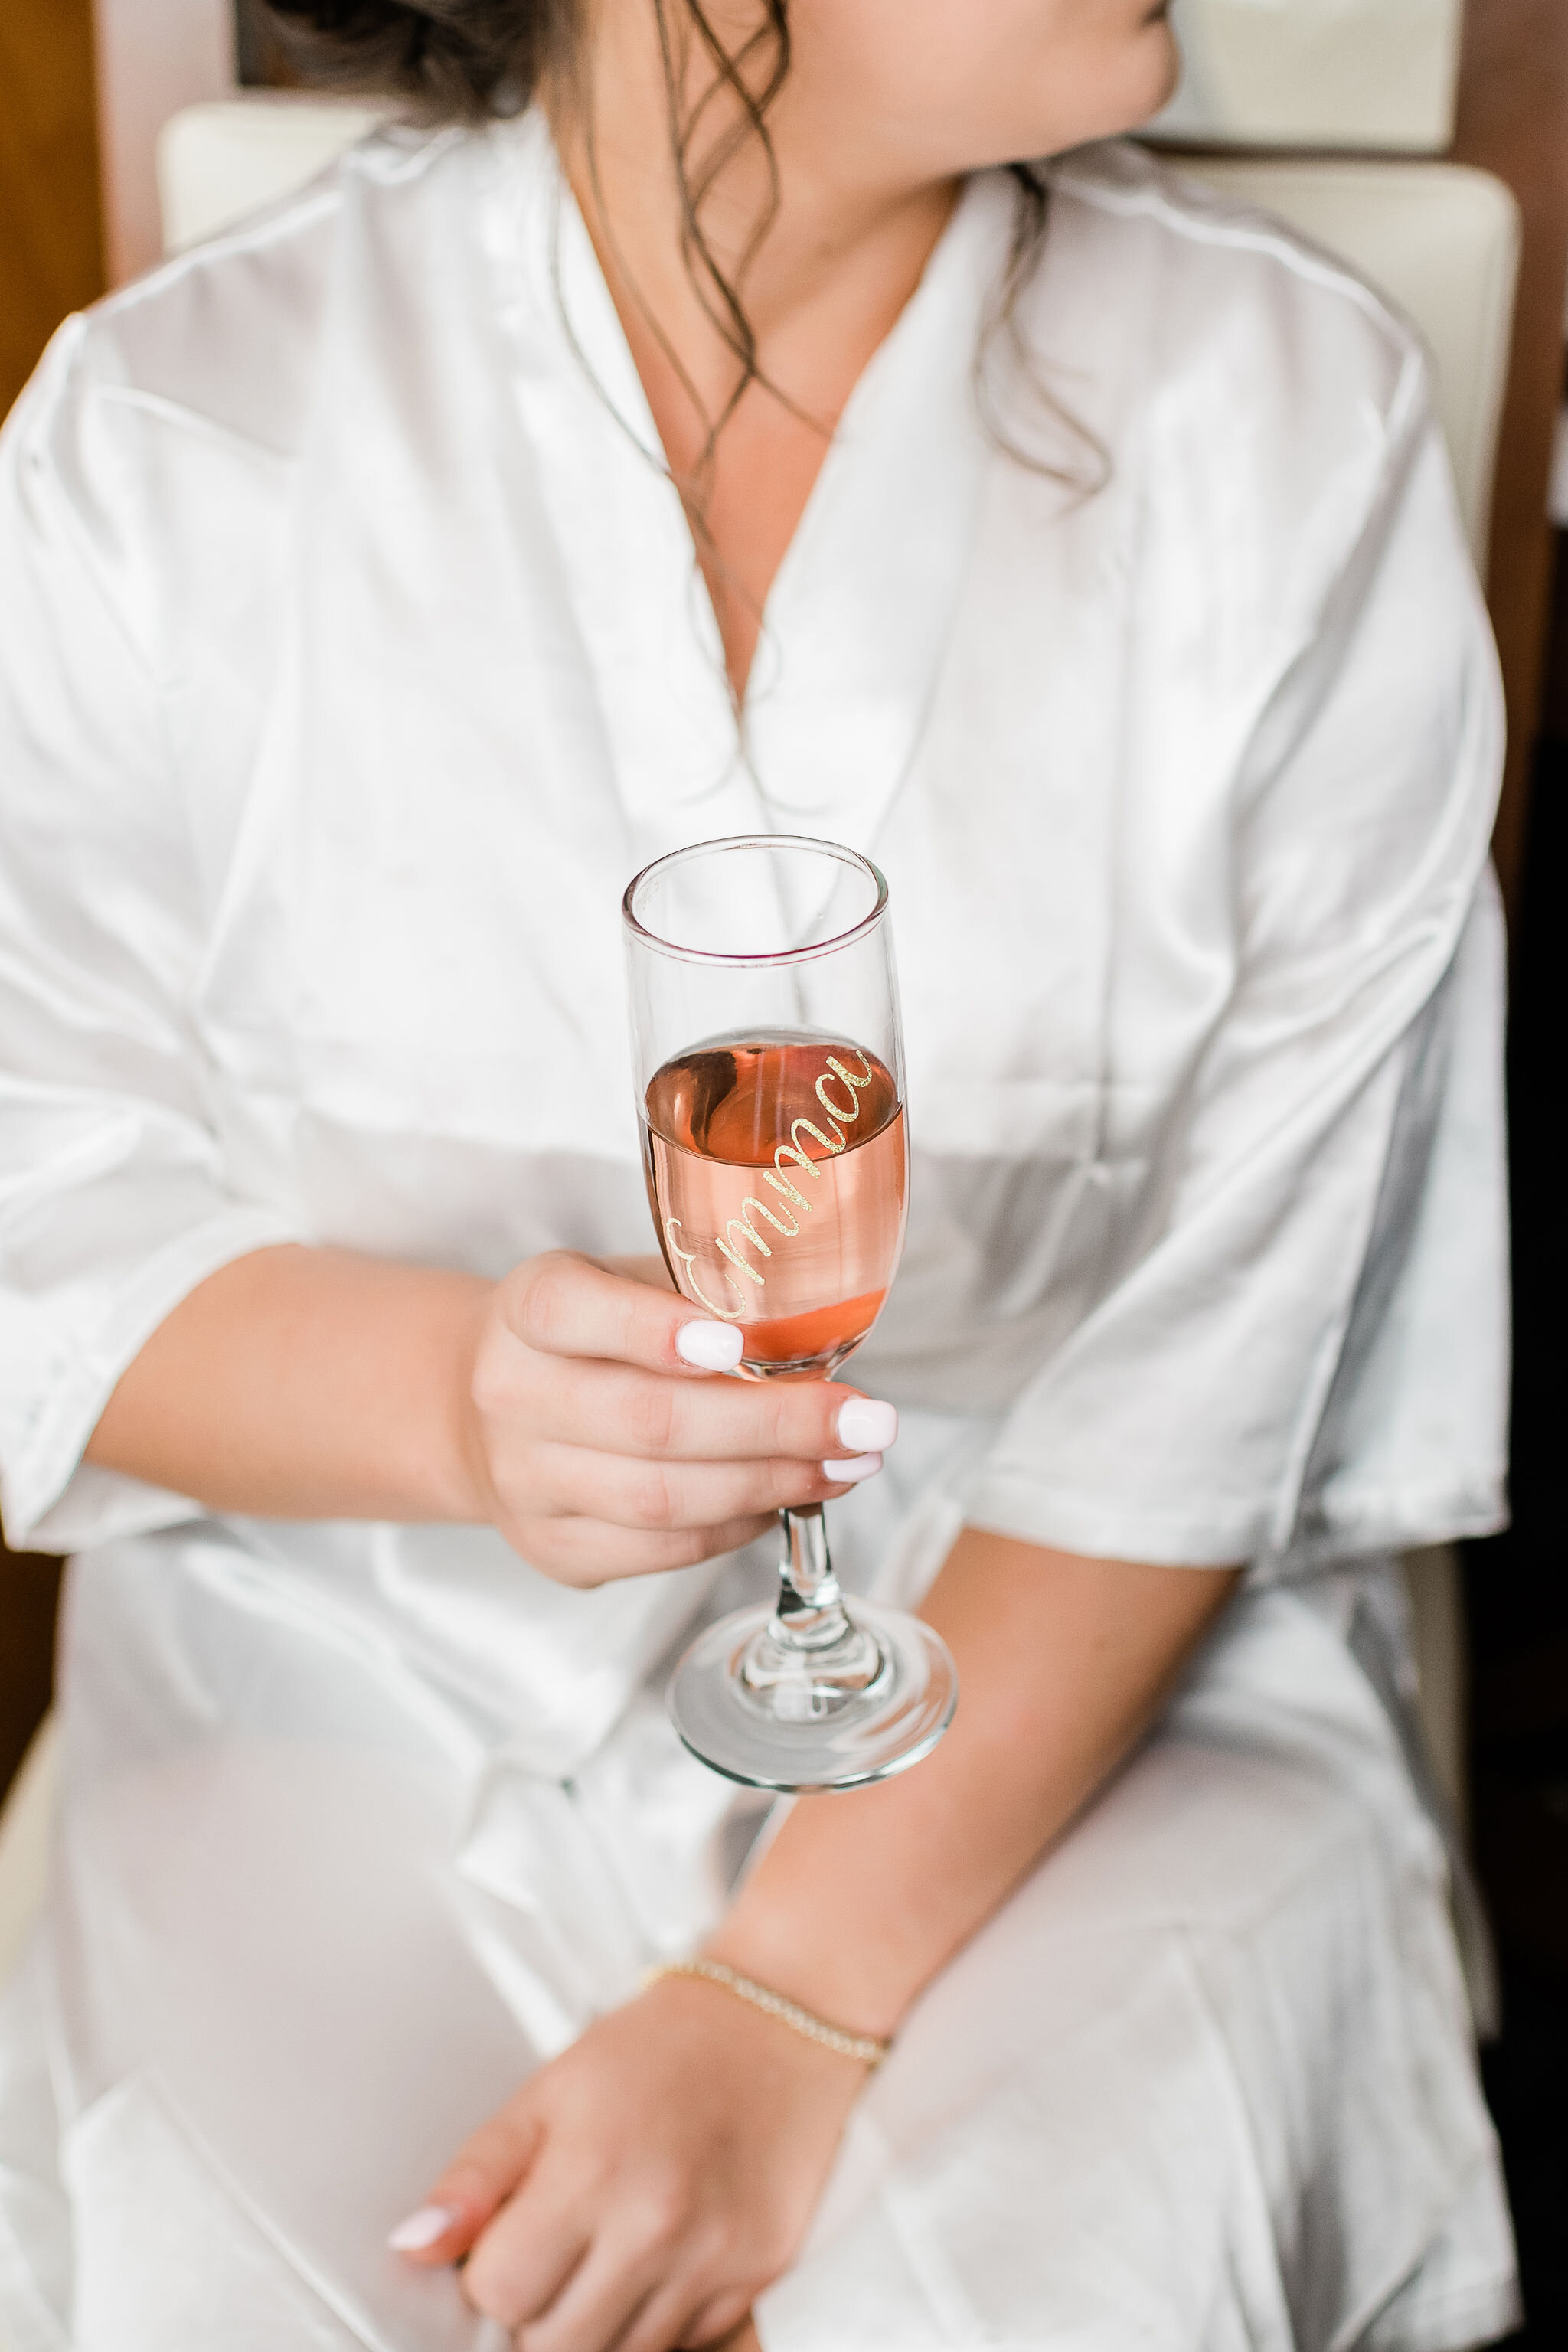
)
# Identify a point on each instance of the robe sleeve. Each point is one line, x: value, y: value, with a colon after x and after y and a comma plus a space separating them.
x: 1303, y: 1354
x: 113, y: 1197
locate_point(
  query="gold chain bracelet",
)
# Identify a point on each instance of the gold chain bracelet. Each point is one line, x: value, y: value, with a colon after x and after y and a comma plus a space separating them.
x: 865, y: 2047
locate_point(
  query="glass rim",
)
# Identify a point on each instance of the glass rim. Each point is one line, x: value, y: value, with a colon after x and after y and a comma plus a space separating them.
x: 837, y: 849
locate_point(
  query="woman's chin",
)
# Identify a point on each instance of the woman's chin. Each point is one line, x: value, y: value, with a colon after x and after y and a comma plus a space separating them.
x: 1144, y: 84
x: 1159, y: 71
x: 1168, y: 74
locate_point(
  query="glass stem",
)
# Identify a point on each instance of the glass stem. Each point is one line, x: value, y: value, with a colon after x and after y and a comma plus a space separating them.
x: 811, y: 1613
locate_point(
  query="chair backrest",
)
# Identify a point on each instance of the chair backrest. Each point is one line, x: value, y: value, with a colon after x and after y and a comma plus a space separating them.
x: 221, y: 161
x: 1328, y: 74
x: 1439, y: 239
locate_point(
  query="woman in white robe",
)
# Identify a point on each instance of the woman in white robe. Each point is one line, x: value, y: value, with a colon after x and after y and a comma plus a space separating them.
x: 353, y: 656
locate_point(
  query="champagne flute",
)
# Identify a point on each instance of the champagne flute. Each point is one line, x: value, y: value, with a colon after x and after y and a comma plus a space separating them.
x: 770, y: 1083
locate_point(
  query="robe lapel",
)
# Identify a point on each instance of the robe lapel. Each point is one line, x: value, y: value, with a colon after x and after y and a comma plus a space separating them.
x: 858, y: 619
x: 861, y: 613
x: 638, y: 600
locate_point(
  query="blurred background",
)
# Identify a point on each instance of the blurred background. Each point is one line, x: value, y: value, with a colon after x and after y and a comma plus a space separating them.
x: 87, y: 87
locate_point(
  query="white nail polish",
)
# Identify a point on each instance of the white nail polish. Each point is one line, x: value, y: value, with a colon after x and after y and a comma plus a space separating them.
x: 850, y: 1472
x: 421, y: 2230
x: 866, y: 1426
x: 711, y: 1347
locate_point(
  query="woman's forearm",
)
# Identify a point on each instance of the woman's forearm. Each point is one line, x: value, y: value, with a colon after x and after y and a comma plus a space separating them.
x: 307, y: 1383
x: 1062, y: 1662
x: 575, y: 1407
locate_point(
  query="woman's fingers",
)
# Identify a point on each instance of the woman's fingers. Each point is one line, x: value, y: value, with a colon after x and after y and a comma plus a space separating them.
x: 683, y: 2315
x: 623, y: 1409
x: 586, y: 1552
x: 598, y: 1448
x: 683, y: 2142
x: 670, y: 1496
x: 715, y: 2328
x: 564, y: 1305
x: 645, y: 2285
x: 484, y: 2172
x: 526, y: 2261
x: 601, y: 2300
x: 590, y: 1518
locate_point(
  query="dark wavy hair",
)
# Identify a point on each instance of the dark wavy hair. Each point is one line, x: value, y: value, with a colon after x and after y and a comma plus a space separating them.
x: 461, y: 60
x: 469, y: 60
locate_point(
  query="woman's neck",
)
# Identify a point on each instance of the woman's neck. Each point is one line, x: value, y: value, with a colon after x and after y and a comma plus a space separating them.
x: 838, y: 261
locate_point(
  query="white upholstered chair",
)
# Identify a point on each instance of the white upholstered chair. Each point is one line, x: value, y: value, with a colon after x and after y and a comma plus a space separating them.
x: 218, y: 162
x: 1440, y: 240
x: 1340, y: 74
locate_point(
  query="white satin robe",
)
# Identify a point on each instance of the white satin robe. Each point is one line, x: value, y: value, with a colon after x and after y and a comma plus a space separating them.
x: 353, y: 657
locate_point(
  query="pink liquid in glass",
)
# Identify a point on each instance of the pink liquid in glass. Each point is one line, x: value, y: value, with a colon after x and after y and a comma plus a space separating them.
x: 778, y: 1176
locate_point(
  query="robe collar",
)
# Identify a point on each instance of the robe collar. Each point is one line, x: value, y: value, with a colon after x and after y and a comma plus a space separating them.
x: 859, y: 616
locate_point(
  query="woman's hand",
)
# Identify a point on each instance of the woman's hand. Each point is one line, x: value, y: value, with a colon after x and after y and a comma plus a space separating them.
x: 558, y: 1406
x: 640, y: 2190
x: 601, y: 1444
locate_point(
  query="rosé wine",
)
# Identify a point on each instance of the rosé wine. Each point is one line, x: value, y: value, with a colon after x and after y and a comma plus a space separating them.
x: 777, y: 1169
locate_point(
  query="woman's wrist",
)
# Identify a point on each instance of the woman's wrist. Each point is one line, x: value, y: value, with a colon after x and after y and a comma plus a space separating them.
x: 804, y: 1962
x: 862, y: 1898
x: 867, y: 2050
x: 468, y: 1488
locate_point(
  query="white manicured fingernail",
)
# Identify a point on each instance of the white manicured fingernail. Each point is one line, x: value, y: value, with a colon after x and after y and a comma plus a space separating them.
x: 711, y: 1347
x: 850, y: 1472
x: 422, y: 2230
x: 868, y: 1425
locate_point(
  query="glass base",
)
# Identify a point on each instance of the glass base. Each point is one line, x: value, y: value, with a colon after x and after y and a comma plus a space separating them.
x: 779, y: 1716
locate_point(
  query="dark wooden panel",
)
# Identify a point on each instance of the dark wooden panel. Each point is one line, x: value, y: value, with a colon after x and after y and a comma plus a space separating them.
x: 1513, y: 120
x: 50, y: 263
x: 29, y: 1597
x: 51, y: 258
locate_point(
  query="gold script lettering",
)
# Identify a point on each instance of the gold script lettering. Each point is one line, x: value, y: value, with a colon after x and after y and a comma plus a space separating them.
x: 848, y: 1077
x: 781, y: 1182
x: 741, y: 1229
x: 844, y: 1117
x: 833, y: 1147
x: 802, y: 1160
x: 688, y: 1259
x: 791, y: 1191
